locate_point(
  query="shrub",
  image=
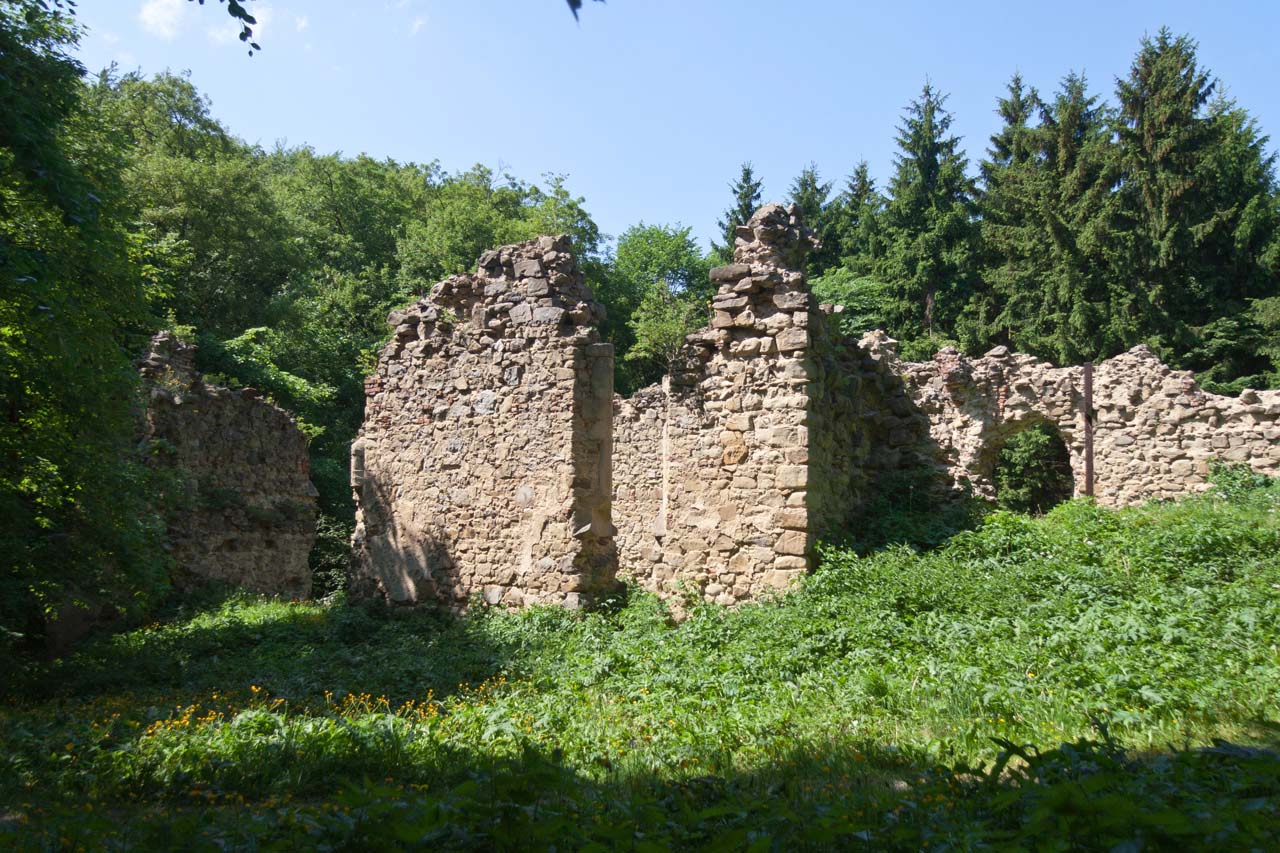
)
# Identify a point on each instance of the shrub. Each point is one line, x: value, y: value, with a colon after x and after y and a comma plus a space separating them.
x: 1033, y: 471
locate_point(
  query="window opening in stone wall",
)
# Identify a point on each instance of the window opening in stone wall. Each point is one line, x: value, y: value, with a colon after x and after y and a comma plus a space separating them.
x: 1033, y: 471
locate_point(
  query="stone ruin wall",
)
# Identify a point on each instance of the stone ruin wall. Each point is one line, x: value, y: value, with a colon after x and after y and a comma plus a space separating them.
x: 1155, y: 431
x: 248, y: 514
x: 764, y: 438
x: 711, y: 467
x: 495, y: 460
x: 483, y: 464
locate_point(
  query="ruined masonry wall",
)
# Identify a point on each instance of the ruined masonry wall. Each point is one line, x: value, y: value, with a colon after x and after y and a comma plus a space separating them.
x: 763, y: 439
x: 483, y: 466
x: 495, y: 460
x: 1155, y: 431
x: 249, y: 514
x: 722, y: 506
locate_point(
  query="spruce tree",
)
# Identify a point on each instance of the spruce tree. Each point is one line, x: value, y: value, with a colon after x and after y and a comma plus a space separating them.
x: 810, y: 194
x: 1049, y: 237
x: 1007, y: 206
x: 1199, y: 198
x: 746, y: 198
x: 855, y: 222
x: 1166, y: 147
x: 1086, y: 310
x: 1230, y: 350
x: 930, y: 234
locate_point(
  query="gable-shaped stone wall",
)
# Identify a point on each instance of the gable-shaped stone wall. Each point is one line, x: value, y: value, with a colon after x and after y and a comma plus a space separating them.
x: 483, y: 464
x: 1155, y: 431
x: 248, y: 517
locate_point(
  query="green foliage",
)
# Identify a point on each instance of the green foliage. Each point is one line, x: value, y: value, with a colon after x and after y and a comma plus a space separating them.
x: 929, y: 231
x: 660, y: 324
x: 857, y: 222
x: 867, y: 302
x: 746, y: 199
x: 655, y: 293
x: 912, y: 508
x: 890, y: 702
x: 1239, y: 482
x: 1199, y: 198
x: 811, y: 196
x: 1033, y: 471
x: 76, y: 522
x: 463, y: 215
x: 1094, y: 227
x: 1054, y: 281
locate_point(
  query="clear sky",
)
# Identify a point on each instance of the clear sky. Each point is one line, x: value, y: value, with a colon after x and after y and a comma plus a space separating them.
x: 649, y: 106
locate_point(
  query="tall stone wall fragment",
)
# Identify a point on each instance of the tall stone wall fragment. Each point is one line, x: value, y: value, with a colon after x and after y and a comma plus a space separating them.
x: 248, y: 517
x: 483, y: 466
x: 764, y: 438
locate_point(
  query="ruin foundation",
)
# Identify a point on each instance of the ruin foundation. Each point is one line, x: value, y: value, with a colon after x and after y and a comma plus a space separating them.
x: 248, y: 514
x: 496, y: 462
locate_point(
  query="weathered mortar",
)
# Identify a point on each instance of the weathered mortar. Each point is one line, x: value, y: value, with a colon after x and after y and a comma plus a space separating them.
x: 249, y: 514
x: 765, y: 438
x: 1156, y: 431
x: 483, y: 466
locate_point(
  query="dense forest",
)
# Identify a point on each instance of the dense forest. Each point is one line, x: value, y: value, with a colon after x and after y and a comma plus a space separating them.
x: 1087, y: 226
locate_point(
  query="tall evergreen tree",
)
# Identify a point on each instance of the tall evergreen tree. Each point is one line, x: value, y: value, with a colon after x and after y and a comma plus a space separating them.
x: 1084, y: 310
x: 930, y: 234
x: 1231, y: 350
x: 810, y: 194
x: 1048, y: 233
x: 1005, y: 203
x: 1014, y: 144
x: 856, y: 216
x: 746, y: 198
x: 1166, y: 147
x: 1199, y: 198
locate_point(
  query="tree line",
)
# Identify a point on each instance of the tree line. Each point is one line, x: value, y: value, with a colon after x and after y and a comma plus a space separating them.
x: 1089, y: 227
x: 127, y: 207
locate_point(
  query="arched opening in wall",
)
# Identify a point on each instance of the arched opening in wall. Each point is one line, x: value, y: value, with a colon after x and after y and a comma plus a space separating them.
x: 1033, y: 470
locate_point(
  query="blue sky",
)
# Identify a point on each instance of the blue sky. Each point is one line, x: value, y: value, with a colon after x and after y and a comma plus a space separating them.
x: 649, y: 106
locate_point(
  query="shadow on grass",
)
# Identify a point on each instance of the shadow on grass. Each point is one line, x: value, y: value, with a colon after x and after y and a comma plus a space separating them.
x: 913, y: 507
x: 1085, y: 795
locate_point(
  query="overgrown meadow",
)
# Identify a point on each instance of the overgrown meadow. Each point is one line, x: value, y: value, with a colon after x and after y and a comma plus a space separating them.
x: 1086, y: 679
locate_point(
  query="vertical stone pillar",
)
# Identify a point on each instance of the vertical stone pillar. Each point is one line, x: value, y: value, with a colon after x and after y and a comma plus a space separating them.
x: 724, y: 507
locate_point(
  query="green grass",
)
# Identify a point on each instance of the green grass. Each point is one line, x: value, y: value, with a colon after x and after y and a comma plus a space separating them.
x: 1046, y: 682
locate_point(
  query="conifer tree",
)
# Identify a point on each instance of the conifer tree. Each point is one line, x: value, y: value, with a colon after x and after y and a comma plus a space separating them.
x: 1048, y: 237
x: 929, y: 233
x: 746, y: 198
x: 856, y: 215
x: 811, y: 195
x: 1165, y: 145
x: 1006, y: 203
x: 1198, y: 196
x: 1231, y: 351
